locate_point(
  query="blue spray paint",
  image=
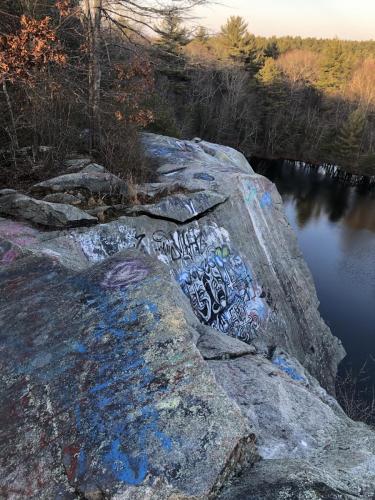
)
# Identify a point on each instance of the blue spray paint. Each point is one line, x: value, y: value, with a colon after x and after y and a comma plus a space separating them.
x: 287, y: 368
x: 266, y: 200
x: 110, y: 436
x: 204, y: 177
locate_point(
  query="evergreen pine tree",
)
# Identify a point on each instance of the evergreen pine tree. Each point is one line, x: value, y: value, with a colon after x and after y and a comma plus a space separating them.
x: 239, y: 44
x: 349, y: 139
x: 271, y: 50
x: 270, y: 74
x: 235, y: 33
x: 173, y: 36
x: 335, y: 67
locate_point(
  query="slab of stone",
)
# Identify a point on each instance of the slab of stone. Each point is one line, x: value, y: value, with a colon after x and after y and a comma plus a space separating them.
x: 76, y: 164
x: 94, y: 168
x: 181, y: 207
x: 215, y: 345
x: 289, y: 480
x: 185, y: 158
x: 41, y: 212
x: 94, y: 182
x: 103, y: 389
x: 303, y: 436
x: 4, y: 192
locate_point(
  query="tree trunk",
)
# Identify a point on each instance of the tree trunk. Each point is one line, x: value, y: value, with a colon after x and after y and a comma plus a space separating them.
x: 13, y: 133
x: 93, y: 23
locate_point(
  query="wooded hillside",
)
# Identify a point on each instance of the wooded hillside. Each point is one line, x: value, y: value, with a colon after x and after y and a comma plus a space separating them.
x: 85, y: 77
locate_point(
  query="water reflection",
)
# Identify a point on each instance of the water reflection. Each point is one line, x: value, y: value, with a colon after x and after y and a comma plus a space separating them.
x: 335, y: 226
x: 316, y: 195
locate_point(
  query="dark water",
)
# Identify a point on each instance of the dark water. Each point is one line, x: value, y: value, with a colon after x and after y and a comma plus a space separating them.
x: 335, y: 226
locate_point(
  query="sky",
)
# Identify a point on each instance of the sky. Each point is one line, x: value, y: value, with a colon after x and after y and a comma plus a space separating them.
x: 346, y: 19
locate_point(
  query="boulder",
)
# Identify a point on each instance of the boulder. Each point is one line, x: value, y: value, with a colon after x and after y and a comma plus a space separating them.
x: 214, y: 345
x: 93, y: 181
x: 41, y: 212
x: 4, y: 192
x: 106, y: 389
x: 85, y: 165
x: 173, y: 353
x: 93, y: 168
x: 76, y: 164
x: 180, y: 207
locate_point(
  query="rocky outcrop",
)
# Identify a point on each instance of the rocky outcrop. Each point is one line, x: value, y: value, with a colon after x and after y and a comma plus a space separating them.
x: 111, y: 393
x: 176, y: 352
x: 304, y: 438
x: 91, y: 178
x: 181, y: 207
x: 56, y: 215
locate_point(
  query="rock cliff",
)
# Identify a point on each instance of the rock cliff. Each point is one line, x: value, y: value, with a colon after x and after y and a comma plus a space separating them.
x: 175, y: 351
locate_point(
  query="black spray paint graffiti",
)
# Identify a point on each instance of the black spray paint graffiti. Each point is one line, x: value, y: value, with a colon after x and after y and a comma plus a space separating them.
x: 180, y: 245
x: 224, y: 295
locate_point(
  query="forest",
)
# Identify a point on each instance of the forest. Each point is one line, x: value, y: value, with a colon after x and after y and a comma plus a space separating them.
x: 86, y: 77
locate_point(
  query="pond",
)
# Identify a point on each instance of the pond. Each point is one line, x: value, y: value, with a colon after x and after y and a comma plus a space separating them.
x: 335, y: 227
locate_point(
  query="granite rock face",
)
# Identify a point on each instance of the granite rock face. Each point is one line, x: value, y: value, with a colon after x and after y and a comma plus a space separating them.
x: 110, y: 393
x: 45, y: 213
x: 91, y: 178
x: 306, y: 442
x: 238, y: 263
x: 176, y: 352
x: 181, y: 207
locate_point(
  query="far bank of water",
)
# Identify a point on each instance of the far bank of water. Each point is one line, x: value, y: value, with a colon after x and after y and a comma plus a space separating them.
x: 335, y: 227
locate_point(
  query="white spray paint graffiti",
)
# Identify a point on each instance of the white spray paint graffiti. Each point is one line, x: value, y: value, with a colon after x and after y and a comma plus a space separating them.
x: 220, y: 286
x: 98, y: 245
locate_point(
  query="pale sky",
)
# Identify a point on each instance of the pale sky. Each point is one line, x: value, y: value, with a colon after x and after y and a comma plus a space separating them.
x: 347, y: 19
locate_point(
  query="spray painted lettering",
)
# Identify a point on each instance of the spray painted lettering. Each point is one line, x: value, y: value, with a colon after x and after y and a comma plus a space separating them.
x: 180, y: 245
x: 97, y: 246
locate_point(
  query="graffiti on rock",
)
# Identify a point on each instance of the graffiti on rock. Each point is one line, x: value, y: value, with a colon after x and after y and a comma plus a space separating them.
x: 287, y: 368
x: 97, y: 246
x: 120, y: 380
x: 224, y: 295
x: 127, y: 272
x: 180, y: 245
x: 8, y: 253
x: 252, y: 192
x: 266, y: 200
x: 204, y: 177
x: 18, y: 233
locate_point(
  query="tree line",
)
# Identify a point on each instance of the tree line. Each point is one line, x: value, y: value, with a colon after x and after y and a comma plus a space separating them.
x: 301, y: 99
x: 86, y: 76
